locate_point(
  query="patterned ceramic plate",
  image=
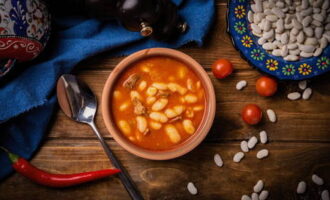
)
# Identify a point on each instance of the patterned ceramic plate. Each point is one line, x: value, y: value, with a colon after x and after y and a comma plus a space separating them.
x: 245, y: 42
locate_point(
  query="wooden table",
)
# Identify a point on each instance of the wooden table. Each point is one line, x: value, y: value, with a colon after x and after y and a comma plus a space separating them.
x: 299, y: 142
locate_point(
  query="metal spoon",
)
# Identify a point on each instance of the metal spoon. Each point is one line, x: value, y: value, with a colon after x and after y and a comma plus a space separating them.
x: 79, y: 103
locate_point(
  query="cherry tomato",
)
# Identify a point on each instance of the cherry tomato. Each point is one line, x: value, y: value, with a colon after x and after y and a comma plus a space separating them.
x: 251, y: 114
x: 266, y: 86
x: 222, y: 68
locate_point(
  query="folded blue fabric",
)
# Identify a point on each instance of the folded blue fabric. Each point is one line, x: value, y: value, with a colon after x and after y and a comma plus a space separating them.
x: 28, y: 101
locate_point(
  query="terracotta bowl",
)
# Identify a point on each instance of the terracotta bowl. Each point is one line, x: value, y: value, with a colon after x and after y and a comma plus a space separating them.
x: 181, y: 148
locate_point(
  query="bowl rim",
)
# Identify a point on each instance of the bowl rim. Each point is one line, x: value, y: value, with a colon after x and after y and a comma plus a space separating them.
x: 181, y: 148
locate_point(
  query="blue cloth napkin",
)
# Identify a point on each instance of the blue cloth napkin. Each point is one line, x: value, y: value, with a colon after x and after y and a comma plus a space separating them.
x: 28, y: 101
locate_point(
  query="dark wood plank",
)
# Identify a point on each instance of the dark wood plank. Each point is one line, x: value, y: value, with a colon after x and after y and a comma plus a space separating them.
x: 287, y: 164
x: 297, y: 120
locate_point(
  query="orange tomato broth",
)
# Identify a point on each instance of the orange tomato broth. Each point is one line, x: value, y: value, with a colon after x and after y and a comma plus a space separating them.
x: 162, y: 70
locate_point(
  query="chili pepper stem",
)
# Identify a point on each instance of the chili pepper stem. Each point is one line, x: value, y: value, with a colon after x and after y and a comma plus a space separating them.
x: 12, y: 157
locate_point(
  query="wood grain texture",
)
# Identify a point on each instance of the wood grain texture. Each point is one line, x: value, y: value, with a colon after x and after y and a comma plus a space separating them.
x: 299, y: 142
x: 287, y: 164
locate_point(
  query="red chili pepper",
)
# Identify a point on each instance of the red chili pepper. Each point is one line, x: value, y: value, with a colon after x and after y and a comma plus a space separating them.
x: 41, y: 177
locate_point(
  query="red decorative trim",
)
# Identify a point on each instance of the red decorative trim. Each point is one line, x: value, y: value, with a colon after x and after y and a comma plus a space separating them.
x: 22, y: 49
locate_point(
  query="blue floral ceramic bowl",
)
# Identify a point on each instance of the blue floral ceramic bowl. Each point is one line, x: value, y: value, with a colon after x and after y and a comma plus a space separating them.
x: 246, y: 43
x: 24, y: 31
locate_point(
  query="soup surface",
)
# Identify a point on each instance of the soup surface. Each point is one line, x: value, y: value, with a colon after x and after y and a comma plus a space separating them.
x: 158, y: 102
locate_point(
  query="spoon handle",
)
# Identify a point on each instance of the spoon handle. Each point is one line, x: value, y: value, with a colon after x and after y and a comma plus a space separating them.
x: 123, y: 175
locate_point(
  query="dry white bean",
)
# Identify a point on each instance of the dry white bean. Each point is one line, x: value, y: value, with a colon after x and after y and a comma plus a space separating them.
x: 302, y: 84
x: 325, y: 195
x: 306, y: 12
x: 307, y: 93
x: 323, y: 42
x: 301, y: 188
x: 262, y: 41
x: 188, y: 126
x: 241, y: 84
x: 269, y: 34
x: 244, y: 146
x: 308, y: 31
x: 218, y: 160
x: 267, y: 25
x: 192, y: 188
x: 252, y: 142
x: 238, y: 157
x: 294, y: 96
x: 276, y: 52
x: 297, y: 24
x: 250, y: 16
x: 271, y: 115
x: 278, y: 12
x: 288, y: 26
x: 285, y: 38
x: 316, y: 23
x: 311, y: 41
x: 284, y: 51
x: 160, y: 104
x: 295, y: 52
x: 305, y: 55
x: 172, y: 133
x: 263, y: 195
x: 300, y: 37
x: 327, y: 27
x: 263, y: 137
x: 307, y: 48
x: 317, y: 180
x: 307, y: 21
x: 262, y: 154
x: 256, y: 28
x: 292, y: 46
x: 317, y: 3
x: 304, y: 4
x: 254, y: 196
x: 318, y: 32
x: 291, y: 58
x: 294, y: 32
x: 245, y: 197
x: 272, y: 18
x: 325, y: 5
x: 269, y: 46
x: 258, y: 186
x: 258, y: 4
x: 317, y: 52
x: 318, y: 17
